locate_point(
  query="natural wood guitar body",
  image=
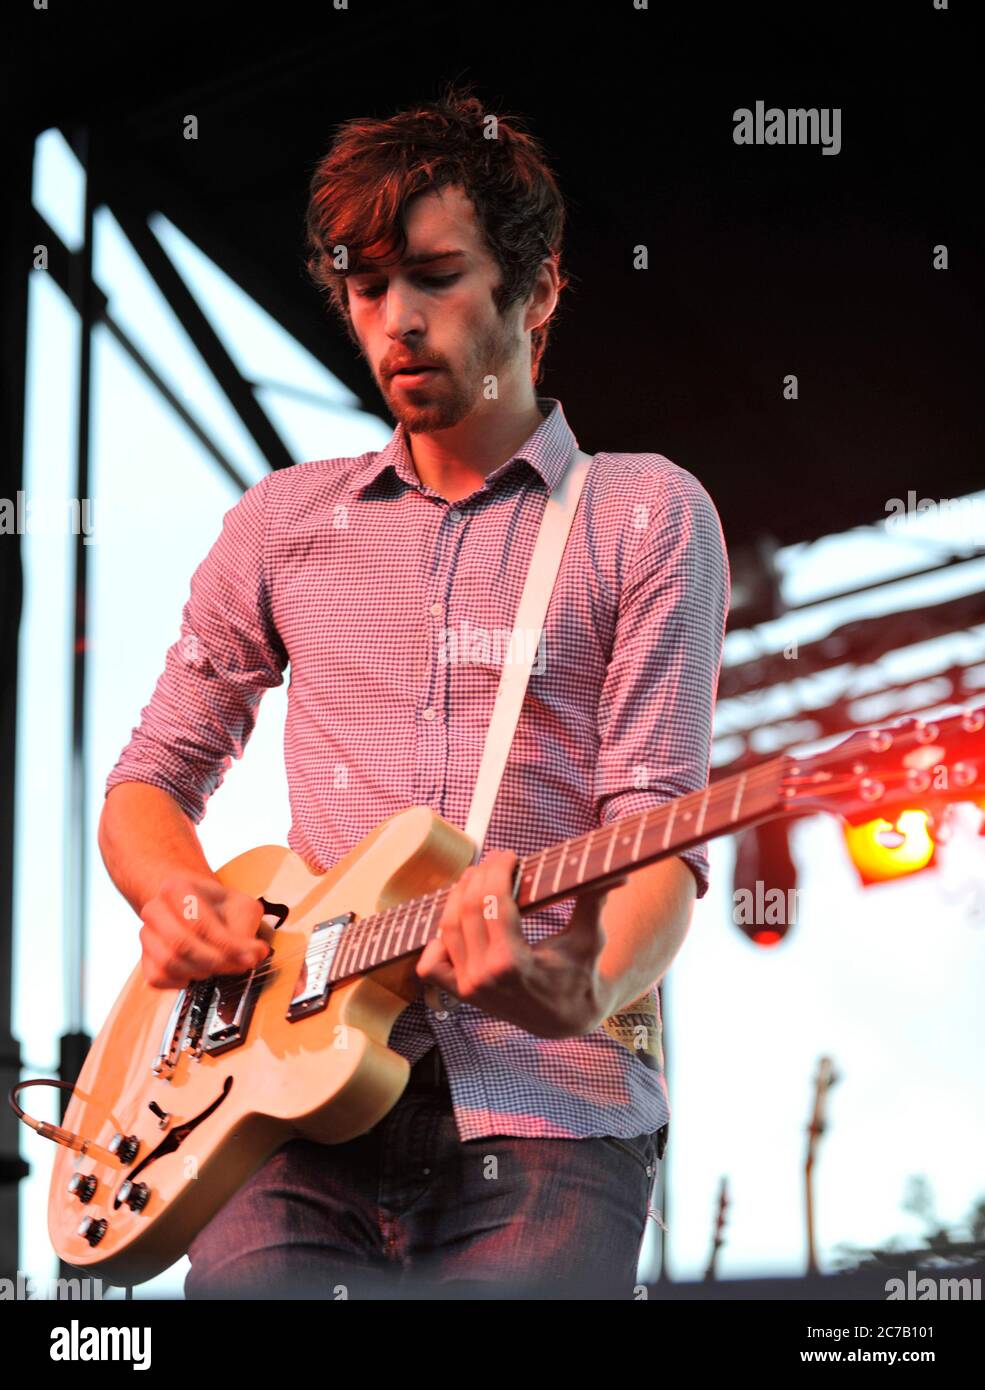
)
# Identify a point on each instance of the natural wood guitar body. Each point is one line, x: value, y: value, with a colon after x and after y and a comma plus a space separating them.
x: 327, y: 1077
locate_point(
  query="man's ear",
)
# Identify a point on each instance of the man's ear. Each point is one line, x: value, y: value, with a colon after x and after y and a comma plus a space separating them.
x: 543, y: 297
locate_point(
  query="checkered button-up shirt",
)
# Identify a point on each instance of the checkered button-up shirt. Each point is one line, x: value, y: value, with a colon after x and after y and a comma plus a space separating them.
x: 393, y: 607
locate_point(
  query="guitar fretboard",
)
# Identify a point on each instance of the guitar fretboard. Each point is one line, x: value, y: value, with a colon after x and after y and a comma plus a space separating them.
x: 588, y: 860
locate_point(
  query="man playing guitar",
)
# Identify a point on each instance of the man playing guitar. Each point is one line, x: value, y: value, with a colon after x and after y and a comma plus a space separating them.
x: 524, y: 1148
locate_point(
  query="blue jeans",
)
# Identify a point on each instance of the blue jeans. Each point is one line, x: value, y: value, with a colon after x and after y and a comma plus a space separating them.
x: 409, y: 1209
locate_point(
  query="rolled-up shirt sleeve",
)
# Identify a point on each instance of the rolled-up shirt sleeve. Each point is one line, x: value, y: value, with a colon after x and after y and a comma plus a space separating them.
x: 204, y: 706
x: 658, y: 697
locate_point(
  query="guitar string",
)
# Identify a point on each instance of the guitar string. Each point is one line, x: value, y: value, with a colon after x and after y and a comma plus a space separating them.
x: 386, y: 922
x: 716, y: 792
x: 759, y: 776
x: 756, y: 778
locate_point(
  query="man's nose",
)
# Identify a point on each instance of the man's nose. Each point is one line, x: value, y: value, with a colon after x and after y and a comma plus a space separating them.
x: 402, y: 314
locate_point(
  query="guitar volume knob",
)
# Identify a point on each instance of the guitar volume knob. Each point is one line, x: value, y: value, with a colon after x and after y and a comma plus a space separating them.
x: 135, y: 1194
x: 92, y: 1229
x: 125, y: 1147
x: 83, y: 1186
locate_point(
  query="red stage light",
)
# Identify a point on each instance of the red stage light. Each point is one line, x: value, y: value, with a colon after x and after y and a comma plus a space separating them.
x: 883, y: 850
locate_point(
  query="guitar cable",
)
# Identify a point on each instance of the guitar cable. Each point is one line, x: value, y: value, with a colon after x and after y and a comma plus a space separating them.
x: 46, y: 1130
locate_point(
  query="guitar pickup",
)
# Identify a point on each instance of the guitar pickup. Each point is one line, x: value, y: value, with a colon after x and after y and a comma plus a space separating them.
x: 313, y: 987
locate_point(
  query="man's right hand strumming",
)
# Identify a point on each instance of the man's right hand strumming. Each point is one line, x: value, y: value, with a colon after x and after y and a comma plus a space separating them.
x: 195, y: 927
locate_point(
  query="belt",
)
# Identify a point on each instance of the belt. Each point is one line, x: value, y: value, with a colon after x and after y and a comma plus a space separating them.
x: 428, y: 1073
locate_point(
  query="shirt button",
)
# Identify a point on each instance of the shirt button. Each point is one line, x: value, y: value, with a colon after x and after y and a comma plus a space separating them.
x: 436, y: 609
x: 428, y: 714
x: 455, y: 514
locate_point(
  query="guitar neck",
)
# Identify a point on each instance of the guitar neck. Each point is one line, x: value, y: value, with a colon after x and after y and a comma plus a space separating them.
x: 611, y: 851
x: 601, y: 856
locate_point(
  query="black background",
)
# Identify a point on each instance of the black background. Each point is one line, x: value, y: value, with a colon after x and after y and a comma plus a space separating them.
x: 763, y: 260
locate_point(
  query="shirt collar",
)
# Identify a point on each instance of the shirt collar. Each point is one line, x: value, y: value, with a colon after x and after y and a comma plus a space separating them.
x: 547, y: 450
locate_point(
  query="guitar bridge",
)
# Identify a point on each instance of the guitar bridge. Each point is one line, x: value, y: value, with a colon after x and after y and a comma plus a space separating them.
x: 314, y: 987
x: 213, y: 1015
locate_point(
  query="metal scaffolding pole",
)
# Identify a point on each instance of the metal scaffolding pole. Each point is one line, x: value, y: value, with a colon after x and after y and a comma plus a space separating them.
x: 75, y: 1042
x: 15, y: 261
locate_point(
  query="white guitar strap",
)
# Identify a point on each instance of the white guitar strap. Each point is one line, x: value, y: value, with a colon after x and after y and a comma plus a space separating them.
x: 545, y: 562
x: 636, y: 1026
x: 555, y: 524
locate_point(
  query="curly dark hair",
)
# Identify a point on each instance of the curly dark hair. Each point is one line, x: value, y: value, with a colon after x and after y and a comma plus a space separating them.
x: 359, y: 190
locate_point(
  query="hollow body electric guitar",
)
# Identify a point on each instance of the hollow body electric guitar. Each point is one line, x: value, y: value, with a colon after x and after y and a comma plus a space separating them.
x: 185, y: 1093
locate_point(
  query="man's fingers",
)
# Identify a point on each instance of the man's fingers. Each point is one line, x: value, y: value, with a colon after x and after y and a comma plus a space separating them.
x: 433, y: 954
x: 197, y: 948
x: 435, y: 969
x: 475, y: 889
